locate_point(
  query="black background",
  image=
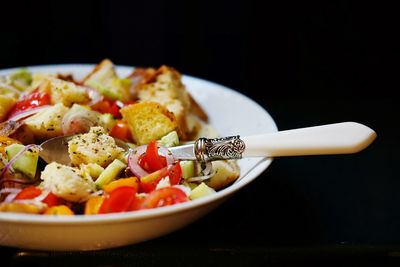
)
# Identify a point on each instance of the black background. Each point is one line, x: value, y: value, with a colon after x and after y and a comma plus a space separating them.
x: 307, y: 63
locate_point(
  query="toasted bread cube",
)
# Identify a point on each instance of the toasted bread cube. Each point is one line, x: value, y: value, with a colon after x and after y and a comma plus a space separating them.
x: 226, y: 171
x: 39, y: 78
x: 64, y: 92
x: 6, y: 104
x: 167, y: 89
x: 67, y: 182
x: 149, y: 121
x: 47, y: 123
x: 93, y: 147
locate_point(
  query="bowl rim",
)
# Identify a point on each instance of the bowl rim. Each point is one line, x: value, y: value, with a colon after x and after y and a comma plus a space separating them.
x: 252, y: 174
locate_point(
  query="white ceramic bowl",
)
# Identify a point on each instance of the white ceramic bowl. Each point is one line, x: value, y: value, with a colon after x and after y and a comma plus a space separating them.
x: 230, y: 112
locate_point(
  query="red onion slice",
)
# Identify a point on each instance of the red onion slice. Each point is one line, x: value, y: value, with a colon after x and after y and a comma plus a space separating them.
x: 10, y: 163
x: 9, y: 127
x: 16, y: 181
x: 42, y: 196
x: 133, y: 159
x: 206, y: 174
x: 201, y: 178
x: 27, y: 113
x: 94, y: 95
x: 12, y: 193
x: 8, y: 190
x: 78, y: 120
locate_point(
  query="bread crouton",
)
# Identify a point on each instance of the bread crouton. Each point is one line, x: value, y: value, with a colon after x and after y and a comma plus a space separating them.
x: 6, y: 104
x: 167, y: 89
x: 46, y: 123
x: 67, y: 182
x: 64, y: 92
x: 149, y: 121
x: 164, y: 86
x: 104, y: 78
x: 226, y: 171
x: 93, y: 147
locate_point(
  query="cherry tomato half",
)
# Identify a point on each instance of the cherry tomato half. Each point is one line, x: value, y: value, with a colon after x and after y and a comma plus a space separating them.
x: 51, y: 200
x: 149, y: 183
x: 175, y: 173
x: 107, y: 106
x: 32, y: 100
x: 164, y: 197
x: 151, y: 159
x: 119, y: 200
x: 110, y: 106
x: 28, y: 193
x: 31, y: 192
x: 121, y: 131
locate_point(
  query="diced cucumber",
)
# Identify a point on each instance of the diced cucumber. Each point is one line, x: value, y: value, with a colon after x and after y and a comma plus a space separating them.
x: 26, y: 163
x: 110, y: 173
x: 170, y: 139
x: 93, y: 169
x: 104, y: 90
x: 107, y: 121
x: 201, y: 190
x: 190, y: 185
x: 187, y: 167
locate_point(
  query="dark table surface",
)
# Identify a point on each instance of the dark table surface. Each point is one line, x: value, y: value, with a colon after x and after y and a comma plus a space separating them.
x: 305, y: 63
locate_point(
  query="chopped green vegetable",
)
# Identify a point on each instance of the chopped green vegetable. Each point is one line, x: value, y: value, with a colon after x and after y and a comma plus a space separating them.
x: 187, y: 169
x: 26, y: 163
x: 170, y: 139
x: 21, y: 79
x: 107, y: 121
x: 110, y: 173
x: 201, y: 190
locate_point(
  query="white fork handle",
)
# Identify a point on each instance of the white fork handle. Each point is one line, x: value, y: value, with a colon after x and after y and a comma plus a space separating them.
x: 338, y: 138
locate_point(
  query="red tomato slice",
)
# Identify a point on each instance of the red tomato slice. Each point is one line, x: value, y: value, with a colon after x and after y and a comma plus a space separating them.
x: 51, y: 200
x: 119, y: 200
x: 32, y: 100
x: 121, y: 131
x: 175, y: 173
x: 28, y: 193
x: 110, y: 106
x: 164, y: 197
x: 137, y: 204
x: 149, y: 183
x: 154, y: 161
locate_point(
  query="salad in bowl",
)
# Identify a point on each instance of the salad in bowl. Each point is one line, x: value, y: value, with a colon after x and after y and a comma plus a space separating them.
x: 149, y: 110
